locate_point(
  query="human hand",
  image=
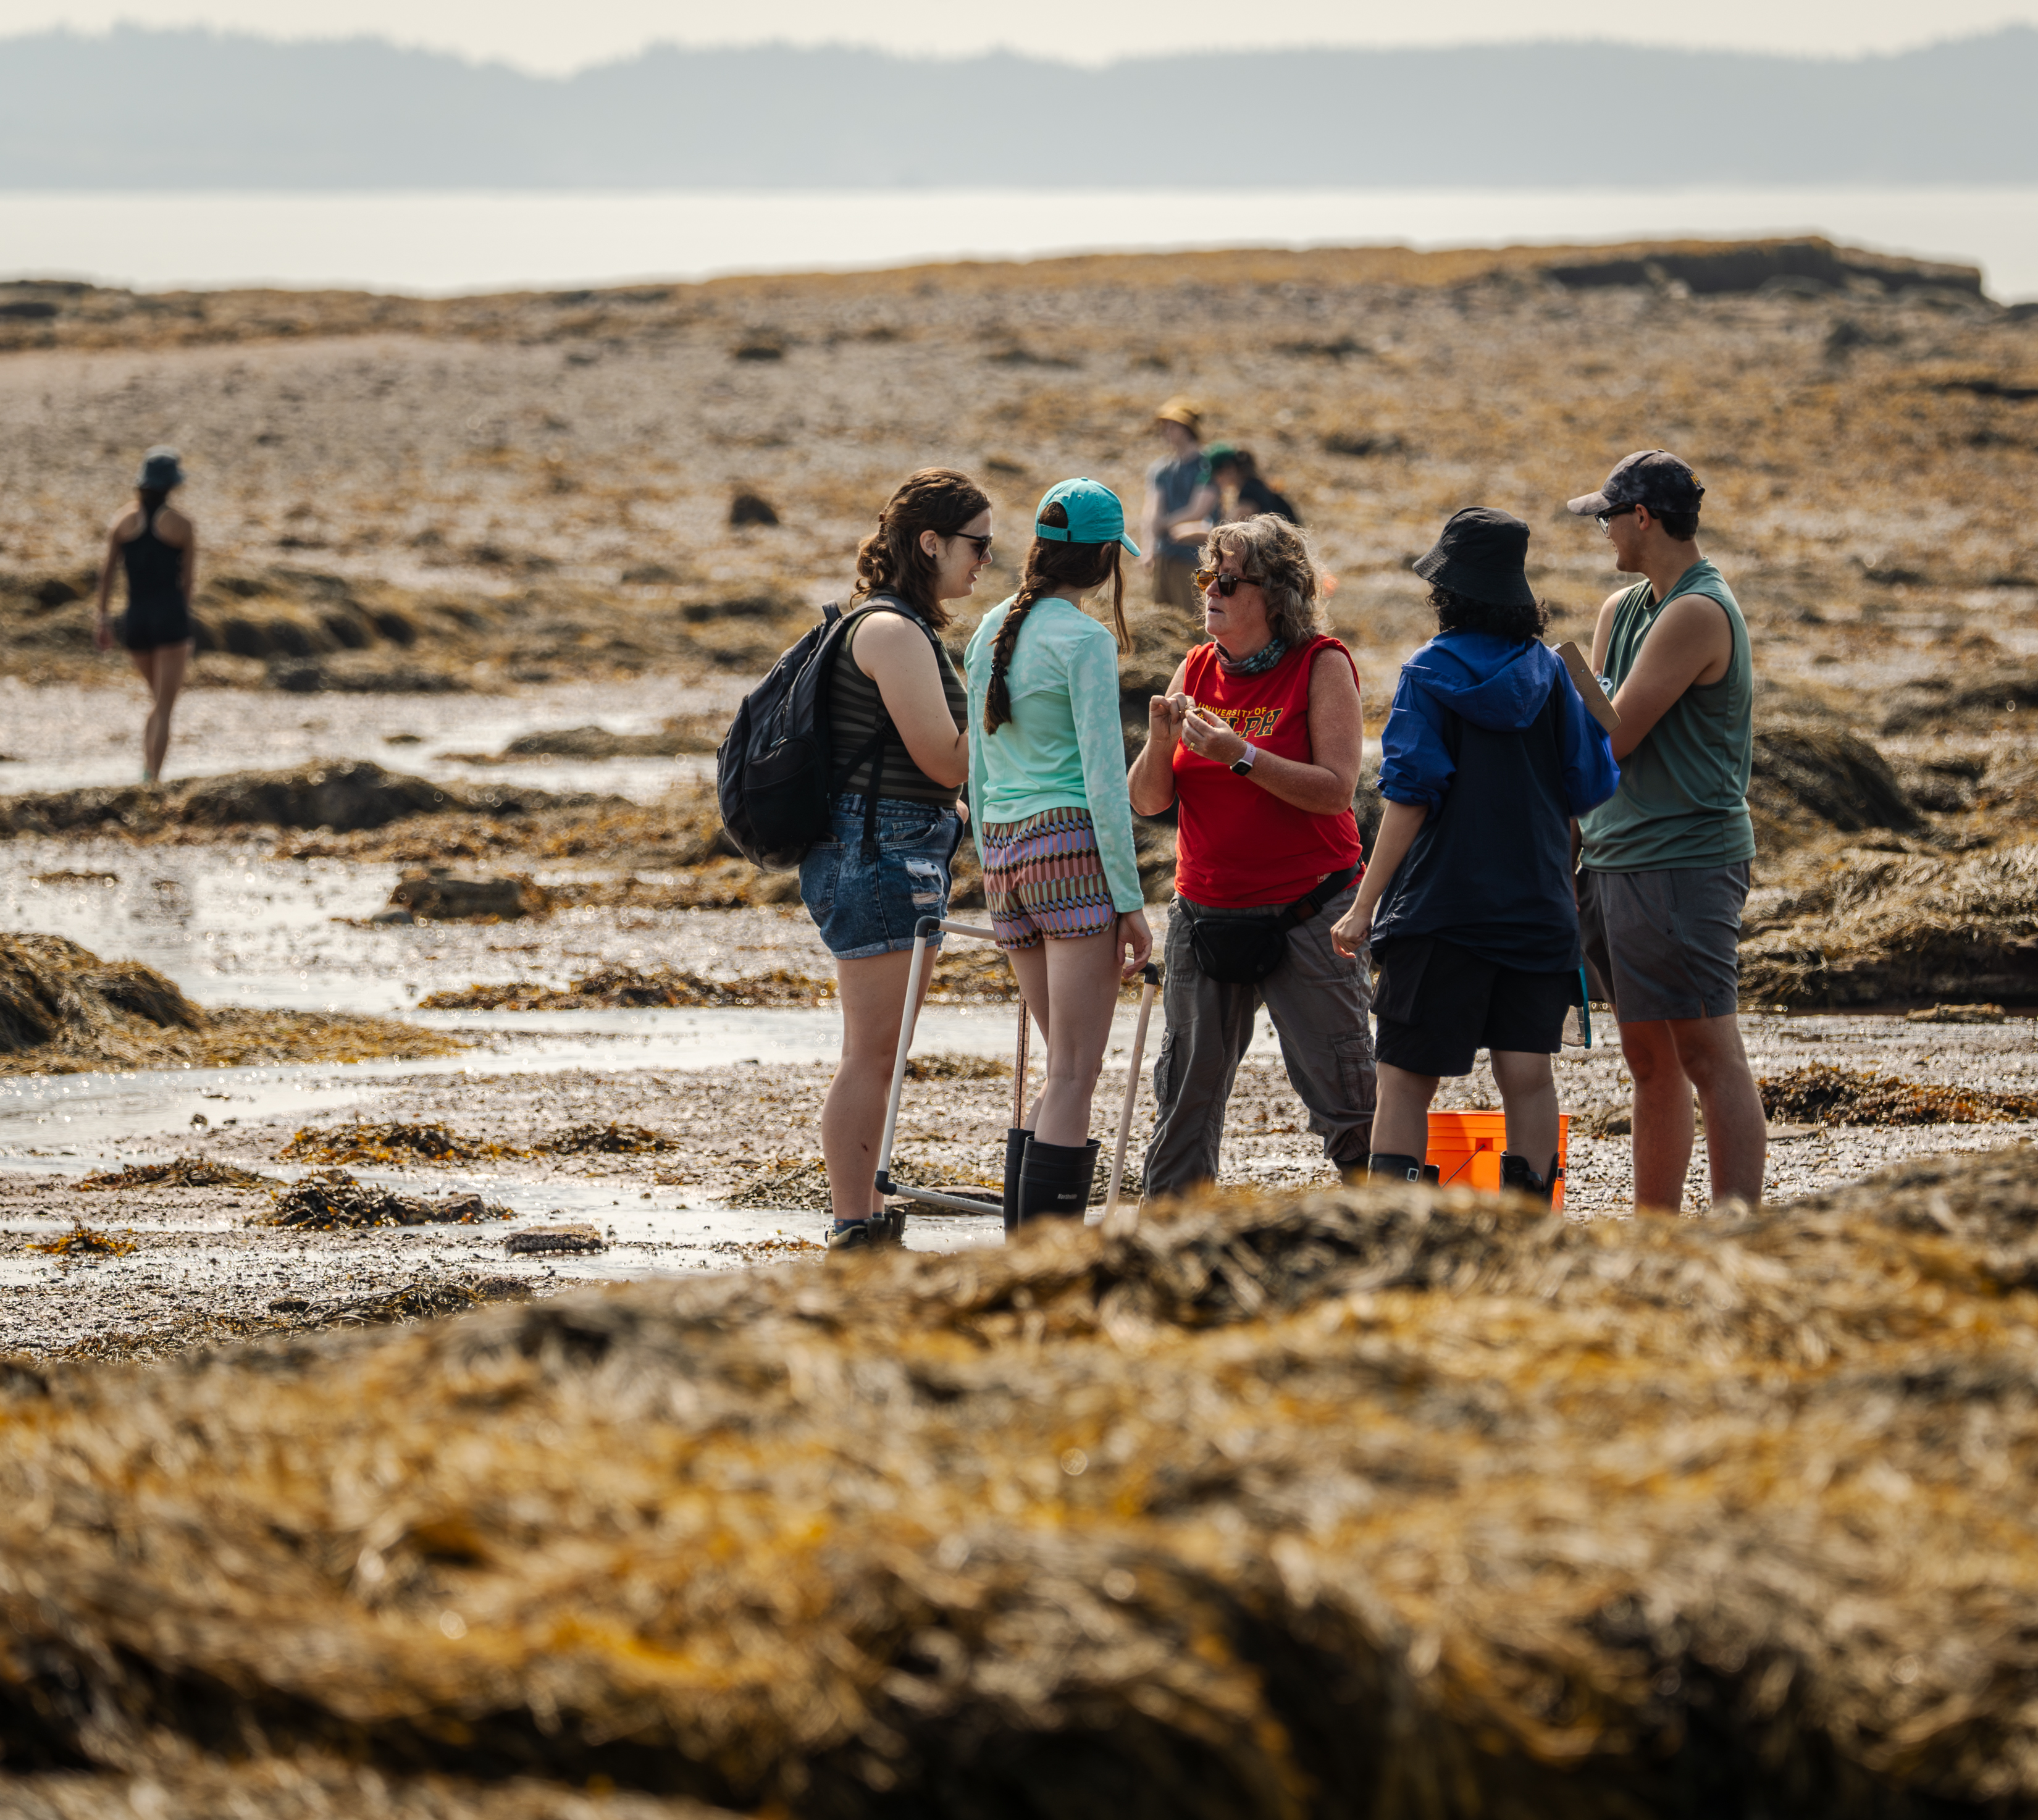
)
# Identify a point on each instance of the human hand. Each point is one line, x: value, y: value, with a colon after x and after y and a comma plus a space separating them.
x: 1207, y: 737
x: 1352, y: 933
x: 102, y: 633
x: 1135, y: 936
x: 962, y: 812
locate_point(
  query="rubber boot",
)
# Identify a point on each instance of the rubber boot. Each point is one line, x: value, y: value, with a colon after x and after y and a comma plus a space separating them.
x: 1015, y: 1154
x: 1516, y: 1173
x: 1389, y: 1166
x: 1054, y: 1180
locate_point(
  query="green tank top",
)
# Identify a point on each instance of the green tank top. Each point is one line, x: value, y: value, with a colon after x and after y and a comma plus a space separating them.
x: 1683, y: 799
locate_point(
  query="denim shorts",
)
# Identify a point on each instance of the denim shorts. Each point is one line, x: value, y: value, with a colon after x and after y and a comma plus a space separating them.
x: 865, y: 907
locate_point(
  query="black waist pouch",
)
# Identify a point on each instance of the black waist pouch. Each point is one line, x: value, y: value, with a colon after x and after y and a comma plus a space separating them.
x: 1236, y: 950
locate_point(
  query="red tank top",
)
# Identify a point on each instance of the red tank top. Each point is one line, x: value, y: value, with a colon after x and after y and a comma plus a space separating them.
x: 1237, y: 848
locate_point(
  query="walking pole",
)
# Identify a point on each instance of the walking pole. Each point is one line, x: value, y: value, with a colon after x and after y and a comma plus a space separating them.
x: 1019, y: 1068
x: 927, y: 927
x: 924, y: 931
x: 1151, y: 974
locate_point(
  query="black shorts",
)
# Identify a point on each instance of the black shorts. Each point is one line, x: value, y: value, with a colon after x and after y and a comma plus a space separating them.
x: 1437, y: 1005
x: 151, y: 627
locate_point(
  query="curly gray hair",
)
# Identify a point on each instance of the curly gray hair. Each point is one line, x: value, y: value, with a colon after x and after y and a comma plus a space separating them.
x: 1273, y: 552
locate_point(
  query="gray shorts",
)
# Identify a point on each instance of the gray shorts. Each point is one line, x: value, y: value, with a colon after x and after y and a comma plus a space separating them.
x: 1665, y: 945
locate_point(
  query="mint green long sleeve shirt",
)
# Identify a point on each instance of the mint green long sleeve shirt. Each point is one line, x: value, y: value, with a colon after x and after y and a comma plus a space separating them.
x: 1063, y: 747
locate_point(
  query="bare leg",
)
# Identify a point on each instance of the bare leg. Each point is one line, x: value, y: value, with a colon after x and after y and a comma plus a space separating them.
x: 1029, y: 967
x: 145, y: 668
x: 1077, y: 980
x: 1662, y: 1113
x: 1401, y: 1114
x: 1529, y: 1091
x: 163, y: 670
x: 1710, y: 1055
x: 872, y: 995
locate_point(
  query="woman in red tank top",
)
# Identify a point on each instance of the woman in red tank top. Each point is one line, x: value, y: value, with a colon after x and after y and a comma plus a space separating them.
x: 1258, y: 742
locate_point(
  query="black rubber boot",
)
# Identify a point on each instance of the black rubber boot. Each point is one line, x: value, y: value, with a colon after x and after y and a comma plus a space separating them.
x: 1516, y: 1173
x: 1389, y: 1166
x: 1015, y: 1154
x: 1054, y: 1180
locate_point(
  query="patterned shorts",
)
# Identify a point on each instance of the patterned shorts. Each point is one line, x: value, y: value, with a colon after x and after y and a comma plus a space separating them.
x: 1044, y: 876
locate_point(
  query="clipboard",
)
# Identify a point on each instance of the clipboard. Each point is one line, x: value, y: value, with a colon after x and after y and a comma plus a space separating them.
x: 1587, y: 685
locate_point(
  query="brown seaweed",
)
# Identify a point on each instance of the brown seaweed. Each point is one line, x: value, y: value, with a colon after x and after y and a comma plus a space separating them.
x: 1393, y: 1502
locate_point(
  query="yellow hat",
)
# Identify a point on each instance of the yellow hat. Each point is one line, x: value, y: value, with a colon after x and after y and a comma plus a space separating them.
x: 1185, y: 411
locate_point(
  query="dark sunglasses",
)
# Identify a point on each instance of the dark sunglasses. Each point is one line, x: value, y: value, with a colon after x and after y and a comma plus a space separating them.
x: 1227, y: 585
x: 983, y: 544
x: 1606, y: 518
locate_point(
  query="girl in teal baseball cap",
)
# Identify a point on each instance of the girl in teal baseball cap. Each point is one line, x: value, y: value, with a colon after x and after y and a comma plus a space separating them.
x: 1054, y: 824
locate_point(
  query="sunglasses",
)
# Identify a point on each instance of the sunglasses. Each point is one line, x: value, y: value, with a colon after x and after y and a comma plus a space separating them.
x: 1227, y: 585
x: 1606, y: 518
x: 983, y: 544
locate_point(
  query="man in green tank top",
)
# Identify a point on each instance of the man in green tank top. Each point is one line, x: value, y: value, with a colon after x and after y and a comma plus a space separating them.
x: 1666, y: 858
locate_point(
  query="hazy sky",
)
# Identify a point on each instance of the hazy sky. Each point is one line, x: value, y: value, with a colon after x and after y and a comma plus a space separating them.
x: 544, y: 35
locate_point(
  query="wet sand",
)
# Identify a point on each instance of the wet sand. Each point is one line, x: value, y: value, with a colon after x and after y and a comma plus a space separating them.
x: 202, y: 1270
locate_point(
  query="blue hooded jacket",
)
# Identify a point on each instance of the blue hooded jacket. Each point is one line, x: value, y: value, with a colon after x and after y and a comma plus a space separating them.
x: 1490, y: 870
x: 1497, y: 683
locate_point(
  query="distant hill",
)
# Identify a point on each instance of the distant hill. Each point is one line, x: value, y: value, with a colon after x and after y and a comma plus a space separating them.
x: 191, y: 109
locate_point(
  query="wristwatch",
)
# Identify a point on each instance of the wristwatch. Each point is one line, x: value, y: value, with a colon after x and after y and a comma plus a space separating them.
x: 1242, y: 765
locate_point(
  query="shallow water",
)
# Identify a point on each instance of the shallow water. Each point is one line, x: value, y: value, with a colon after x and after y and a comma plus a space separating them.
x: 63, y: 737
x: 464, y: 241
x: 82, y: 1116
x: 664, y: 1233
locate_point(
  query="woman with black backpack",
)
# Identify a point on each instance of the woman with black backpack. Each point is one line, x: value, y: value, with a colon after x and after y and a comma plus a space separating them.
x: 895, y: 706
x: 1054, y: 825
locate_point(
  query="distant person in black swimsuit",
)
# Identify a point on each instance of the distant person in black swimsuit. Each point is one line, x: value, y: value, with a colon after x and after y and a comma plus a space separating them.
x: 155, y: 543
x: 1234, y: 469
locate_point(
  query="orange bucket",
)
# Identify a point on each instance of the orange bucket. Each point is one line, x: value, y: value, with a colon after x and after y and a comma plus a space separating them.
x: 1465, y: 1148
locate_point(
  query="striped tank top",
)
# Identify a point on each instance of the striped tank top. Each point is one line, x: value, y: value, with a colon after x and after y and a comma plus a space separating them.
x: 853, y: 705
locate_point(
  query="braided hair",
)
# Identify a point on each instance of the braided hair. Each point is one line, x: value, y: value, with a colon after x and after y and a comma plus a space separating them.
x: 890, y: 560
x: 1050, y: 567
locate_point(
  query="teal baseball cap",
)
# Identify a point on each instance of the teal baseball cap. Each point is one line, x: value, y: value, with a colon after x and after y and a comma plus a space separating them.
x: 1095, y: 515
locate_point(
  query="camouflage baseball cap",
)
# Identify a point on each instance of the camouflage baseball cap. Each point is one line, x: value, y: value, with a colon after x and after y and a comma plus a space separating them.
x: 1651, y: 477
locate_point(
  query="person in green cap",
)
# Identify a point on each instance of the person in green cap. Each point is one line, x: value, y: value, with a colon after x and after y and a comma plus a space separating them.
x: 1665, y: 858
x: 1053, y: 823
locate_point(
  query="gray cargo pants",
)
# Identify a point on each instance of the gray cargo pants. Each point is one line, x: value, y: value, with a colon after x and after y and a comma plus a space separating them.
x: 1318, y: 1001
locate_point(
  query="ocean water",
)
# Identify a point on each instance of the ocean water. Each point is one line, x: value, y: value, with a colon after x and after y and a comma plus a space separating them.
x: 437, y: 242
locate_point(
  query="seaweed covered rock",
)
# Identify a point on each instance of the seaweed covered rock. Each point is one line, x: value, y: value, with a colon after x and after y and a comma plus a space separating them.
x: 331, y: 1198
x: 51, y: 989
x: 439, y: 895
x: 1807, y: 777
x: 1397, y: 1503
x: 1879, y: 928
x: 64, y: 1010
x: 353, y: 794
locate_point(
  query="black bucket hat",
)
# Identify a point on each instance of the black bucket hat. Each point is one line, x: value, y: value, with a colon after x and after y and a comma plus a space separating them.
x: 161, y: 470
x: 1480, y: 556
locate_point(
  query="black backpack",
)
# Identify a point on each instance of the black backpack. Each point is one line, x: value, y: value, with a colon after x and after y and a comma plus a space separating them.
x: 772, y: 777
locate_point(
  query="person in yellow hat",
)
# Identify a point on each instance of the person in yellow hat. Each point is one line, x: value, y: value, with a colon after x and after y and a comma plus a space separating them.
x: 1179, y: 490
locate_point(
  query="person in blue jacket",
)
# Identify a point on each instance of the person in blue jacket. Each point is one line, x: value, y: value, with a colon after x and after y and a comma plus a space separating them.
x: 1468, y: 903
